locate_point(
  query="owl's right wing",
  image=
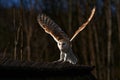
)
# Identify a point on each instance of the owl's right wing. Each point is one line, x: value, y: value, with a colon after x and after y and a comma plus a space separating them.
x: 51, y: 28
x: 83, y: 25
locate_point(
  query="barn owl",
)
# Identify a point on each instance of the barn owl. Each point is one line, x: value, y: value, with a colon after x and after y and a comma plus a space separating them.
x: 62, y: 39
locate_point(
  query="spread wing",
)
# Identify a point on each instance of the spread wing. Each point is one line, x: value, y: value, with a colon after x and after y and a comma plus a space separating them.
x: 51, y: 28
x: 83, y: 25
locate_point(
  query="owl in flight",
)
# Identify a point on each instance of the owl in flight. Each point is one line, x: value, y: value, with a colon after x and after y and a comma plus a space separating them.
x: 62, y: 39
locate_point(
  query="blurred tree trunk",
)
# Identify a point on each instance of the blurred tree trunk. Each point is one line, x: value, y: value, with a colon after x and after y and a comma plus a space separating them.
x: 91, y: 47
x: 17, y: 34
x: 84, y: 48
x: 21, y: 46
x: 21, y: 31
x: 109, y: 25
x: 15, y: 42
x: 5, y: 50
x: 97, y: 59
x: 84, y: 44
x: 28, y: 30
x: 70, y: 17
x: 118, y: 17
x: 117, y: 2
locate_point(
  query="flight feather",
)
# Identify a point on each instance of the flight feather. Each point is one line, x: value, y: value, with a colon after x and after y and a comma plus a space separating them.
x: 83, y: 25
x: 51, y: 28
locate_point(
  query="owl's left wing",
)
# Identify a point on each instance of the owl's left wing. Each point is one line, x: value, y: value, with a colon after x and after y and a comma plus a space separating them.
x: 51, y: 28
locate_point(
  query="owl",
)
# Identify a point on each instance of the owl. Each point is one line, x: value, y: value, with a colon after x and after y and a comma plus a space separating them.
x: 62, y: 39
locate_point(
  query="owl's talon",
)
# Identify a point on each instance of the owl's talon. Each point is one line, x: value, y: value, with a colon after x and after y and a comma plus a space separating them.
x: 58, y: 61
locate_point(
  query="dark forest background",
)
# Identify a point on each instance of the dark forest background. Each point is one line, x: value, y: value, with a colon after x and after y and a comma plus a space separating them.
x: 21, y: 37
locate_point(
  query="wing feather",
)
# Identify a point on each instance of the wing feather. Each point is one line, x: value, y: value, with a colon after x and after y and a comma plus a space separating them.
x: 51, y: 28
x: 84, y: 25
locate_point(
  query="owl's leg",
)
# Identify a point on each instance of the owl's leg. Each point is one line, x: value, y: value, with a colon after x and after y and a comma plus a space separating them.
x: 65, y: 57
x: 61, y: 56
x: 69, y: 57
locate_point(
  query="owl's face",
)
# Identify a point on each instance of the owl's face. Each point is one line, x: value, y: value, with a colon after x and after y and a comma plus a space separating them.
x: 63, y: 45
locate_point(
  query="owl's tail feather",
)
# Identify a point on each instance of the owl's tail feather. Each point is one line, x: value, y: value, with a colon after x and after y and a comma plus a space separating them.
x: 84, y: 25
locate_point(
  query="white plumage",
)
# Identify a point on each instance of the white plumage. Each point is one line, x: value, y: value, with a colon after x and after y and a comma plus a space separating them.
x: 63, y: 41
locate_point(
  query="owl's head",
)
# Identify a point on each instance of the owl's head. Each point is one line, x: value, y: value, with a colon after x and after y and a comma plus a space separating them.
x: 64, y: 45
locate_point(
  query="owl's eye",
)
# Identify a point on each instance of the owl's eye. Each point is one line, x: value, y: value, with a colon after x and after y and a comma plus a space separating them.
x: 59, y: 44
x: 63, y: 44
